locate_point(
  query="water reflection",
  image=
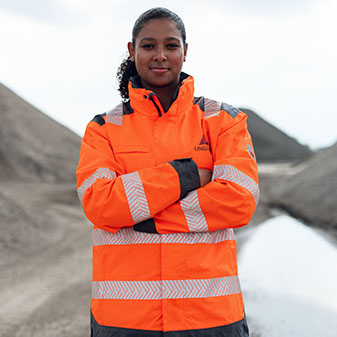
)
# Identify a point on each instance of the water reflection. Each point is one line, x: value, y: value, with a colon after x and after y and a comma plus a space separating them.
x: 289, y: 277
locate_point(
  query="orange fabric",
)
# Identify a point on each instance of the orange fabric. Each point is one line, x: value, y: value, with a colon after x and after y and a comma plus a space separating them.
x: 141, y: 262
x: 180, y: 314
x: 143, y: 144
x: 199, y: 313
x: 143, y: 315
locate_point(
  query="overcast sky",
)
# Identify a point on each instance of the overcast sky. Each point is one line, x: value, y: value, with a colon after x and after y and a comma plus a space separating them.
x: 277, y: 58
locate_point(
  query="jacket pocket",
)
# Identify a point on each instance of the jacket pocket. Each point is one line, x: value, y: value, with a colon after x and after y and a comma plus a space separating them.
x: 133, y: 157
x: 131, y: 149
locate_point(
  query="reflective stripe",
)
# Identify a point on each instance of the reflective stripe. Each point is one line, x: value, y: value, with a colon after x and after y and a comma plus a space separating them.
x: 101, y: 173
x: 166, y: 289
x: 135, y: 194
x: 195, y: 218
x: 115, y: 116
x: 251, y: 151
x: 211, y: 107
x: 212, y: 114
x: 124, y: 236
x: 231, y: 173
x: 127, y: 236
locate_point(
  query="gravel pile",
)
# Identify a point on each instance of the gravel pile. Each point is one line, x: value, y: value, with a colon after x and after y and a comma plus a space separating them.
x: 271, y: 144
x: 32, y: 145
x: 311, y: 194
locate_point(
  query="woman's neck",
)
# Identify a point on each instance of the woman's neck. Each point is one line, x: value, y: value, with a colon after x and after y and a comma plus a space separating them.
x: 165, y: 97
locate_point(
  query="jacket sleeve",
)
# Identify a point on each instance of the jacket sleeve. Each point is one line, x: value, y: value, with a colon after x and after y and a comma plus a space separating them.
x: 230, y: 199
x: 112, y: 198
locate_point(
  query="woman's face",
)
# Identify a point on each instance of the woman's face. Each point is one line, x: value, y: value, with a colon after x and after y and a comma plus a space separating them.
x: 159, y: 54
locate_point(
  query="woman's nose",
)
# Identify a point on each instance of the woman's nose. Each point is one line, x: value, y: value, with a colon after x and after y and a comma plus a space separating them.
x: 160, y: 55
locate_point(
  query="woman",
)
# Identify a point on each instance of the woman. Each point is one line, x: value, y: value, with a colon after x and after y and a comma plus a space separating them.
x: 164, y: 177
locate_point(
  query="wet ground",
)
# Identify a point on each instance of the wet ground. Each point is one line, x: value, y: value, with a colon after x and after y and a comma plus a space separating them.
x: 289, y: 275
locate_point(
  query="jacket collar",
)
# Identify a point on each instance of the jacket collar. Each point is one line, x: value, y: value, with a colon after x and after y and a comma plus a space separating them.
x: 144, y: 103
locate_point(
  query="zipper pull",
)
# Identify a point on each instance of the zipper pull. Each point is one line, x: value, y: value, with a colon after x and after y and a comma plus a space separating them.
x: 154, y: 98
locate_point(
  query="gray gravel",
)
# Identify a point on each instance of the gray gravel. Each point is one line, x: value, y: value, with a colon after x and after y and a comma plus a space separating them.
x: 32, y: 145
x: 311, y: 193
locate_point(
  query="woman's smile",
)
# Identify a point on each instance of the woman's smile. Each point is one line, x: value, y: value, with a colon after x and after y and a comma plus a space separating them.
x: 159, y: 70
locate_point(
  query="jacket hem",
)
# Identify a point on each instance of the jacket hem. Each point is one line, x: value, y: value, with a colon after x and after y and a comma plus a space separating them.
x: 236, y: 329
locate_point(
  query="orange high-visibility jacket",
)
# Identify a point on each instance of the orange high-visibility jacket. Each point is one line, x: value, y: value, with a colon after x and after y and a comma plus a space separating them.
x: 164, y: 252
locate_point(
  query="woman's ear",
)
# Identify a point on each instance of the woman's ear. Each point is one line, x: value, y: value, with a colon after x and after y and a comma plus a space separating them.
x: 185, y: 51
x: 131, y: 51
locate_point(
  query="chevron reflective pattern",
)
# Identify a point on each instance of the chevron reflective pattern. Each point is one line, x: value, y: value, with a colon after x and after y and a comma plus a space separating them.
x: 101, y: 173
x: 211, y: 107
x: 166, y: 289
x: 127, y: 236
x: 195, y: 218
x: 206, y: 237
x: 135, y: 194
x: 231, y: 173
x: 115, y: 116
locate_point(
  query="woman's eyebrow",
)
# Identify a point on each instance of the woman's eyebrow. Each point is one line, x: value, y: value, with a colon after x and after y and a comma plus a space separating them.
x: 172, y: 38
x: 153, y: 39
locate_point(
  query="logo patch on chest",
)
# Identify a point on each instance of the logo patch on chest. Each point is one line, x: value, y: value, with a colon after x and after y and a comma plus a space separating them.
x: 203, y: 146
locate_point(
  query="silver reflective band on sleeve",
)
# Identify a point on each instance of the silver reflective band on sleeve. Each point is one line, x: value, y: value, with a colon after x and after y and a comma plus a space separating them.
x: 250, y: 151
x: 127, y: 236
x: 166, y: 289
x: 115, y: 116
x: 101, y: 173
x: 195, y: 218
x: 135, y: 194
x: 232, y: 174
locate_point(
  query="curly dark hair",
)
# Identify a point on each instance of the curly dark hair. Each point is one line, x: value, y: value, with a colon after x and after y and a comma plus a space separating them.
x: 127, y: 68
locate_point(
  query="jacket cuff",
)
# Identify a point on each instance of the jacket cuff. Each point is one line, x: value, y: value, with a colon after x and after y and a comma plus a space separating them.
x: 147, y: 226
x: 188, y: 173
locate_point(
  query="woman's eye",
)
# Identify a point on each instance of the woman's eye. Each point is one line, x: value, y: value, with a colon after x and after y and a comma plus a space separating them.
x: 172, y: 46
x: 147, y: 46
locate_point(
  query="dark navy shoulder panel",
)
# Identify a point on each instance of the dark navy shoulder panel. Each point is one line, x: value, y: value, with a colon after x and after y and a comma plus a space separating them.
x: 119, y: 110
x: 212, y: 107
x: 127, y: 109
x: 99, y: 119
x: 230, y: 109
x: 200, y: 101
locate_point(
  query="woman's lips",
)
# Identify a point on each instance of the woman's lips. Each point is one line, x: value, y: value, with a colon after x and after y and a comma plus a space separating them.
x: 159, y: 70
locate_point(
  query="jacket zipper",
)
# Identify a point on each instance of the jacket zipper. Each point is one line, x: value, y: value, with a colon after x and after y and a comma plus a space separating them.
x: 151, y: 98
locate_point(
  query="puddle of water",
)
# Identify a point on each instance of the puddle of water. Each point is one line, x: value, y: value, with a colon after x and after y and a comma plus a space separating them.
x: 289, y: 277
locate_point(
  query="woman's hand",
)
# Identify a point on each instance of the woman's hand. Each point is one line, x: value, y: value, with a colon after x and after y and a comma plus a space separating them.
x: 205, y: 176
